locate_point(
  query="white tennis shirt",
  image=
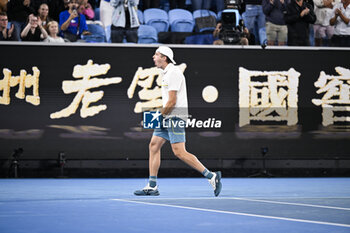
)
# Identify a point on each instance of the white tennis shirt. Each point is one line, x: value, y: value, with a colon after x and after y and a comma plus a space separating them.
x: 340, y: 27
x: 174, y: 80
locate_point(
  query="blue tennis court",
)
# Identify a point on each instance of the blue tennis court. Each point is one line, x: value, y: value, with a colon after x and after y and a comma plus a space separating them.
x: 185, y: 205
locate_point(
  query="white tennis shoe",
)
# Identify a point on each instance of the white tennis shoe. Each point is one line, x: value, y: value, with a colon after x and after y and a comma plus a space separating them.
x: 147, y: 191
x: 215, y: 182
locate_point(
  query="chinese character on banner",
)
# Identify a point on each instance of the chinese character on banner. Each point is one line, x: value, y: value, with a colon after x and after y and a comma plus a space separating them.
x: 268, y: 96
x: 336, y: 97
x: 151, y: 97
x: 24, y: 81
x: 82, y: 86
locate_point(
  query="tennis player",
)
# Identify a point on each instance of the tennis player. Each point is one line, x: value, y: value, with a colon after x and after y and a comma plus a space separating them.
x: 174, y: 97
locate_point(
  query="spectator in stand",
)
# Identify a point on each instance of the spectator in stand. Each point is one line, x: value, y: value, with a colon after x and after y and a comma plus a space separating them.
x: 276, y: 28
x: 18, y: 12
x: 3, y: 5
x: 254, y: 17
x: 299, y: 16
x: 341, y: 22
x: 146, y: 4
x: 72, y: 23
x: 125, y: 21
x: 6, y: 34
x: 43, y: 14
x: 52, y: 28
x: 86, y: 9
x: 323, y: 31
x: 34, y: 31
x: 106, y: 12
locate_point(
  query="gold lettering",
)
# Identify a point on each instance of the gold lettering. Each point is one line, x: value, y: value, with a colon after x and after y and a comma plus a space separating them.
x: 336, y: 97
x: 272, y: 100
x: 23, y: 81
x: 82, y: 86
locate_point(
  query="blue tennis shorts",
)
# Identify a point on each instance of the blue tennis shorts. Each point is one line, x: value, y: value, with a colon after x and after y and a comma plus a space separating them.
x: 172, y: 131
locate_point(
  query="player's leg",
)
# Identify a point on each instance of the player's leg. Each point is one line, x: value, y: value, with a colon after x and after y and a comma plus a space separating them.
x: 155, y: 146
x: 179, y: 151
x: 154, y: 158
x: 214, y: 178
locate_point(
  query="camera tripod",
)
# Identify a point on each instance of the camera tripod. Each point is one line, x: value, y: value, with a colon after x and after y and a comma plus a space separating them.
x: 263, y: 172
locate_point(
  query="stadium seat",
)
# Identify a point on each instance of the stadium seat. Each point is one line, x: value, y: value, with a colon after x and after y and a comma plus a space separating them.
x: 204, y: 13
x: 157, y: 18
x: 181, y: 20
x: 147, y: 34
x: 218, y: 17
x: 98, y: 34
x: 140, y: 15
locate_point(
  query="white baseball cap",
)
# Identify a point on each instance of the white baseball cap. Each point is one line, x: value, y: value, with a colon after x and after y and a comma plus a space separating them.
x: 166, y: 51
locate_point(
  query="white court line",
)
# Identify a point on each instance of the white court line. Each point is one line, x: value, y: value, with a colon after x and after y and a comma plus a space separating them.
x: 253, y: 200
x: 291, y: 203
x: 236, y: 213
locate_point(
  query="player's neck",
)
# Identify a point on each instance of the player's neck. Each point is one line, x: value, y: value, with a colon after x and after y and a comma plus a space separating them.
x: 164, y: 66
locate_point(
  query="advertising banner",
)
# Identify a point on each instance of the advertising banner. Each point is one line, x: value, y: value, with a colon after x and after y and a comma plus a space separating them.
x: 90, y: 100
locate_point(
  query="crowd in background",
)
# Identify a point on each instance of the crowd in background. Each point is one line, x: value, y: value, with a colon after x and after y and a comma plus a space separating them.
x: 282, y: 22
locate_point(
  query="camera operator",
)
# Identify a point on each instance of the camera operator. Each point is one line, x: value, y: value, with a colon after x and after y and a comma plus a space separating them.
x: 230, y: 34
